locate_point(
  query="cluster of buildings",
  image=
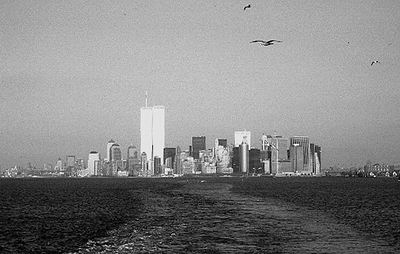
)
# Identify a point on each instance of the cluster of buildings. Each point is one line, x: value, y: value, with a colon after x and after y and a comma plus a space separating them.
x: 275, y: 155
x: 368, y: 170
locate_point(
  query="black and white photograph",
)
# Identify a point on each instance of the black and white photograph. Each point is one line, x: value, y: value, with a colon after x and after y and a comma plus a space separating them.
x: 199, y: 126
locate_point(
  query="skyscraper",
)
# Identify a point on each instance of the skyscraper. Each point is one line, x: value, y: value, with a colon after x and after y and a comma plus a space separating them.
x: 300, y: 154
x: 152, y: 131
x: 255, y: 165
x: 244, y: 157
x: 93, y: 162
x: 133, y: 161
x: 198, y: 144
x: 59, y: 166
x: 170, y: 152
x: 115, y: 153
x: 109, y: 145
x: 279, y: 155
x: 178, y: 162
x: 70, y: 169
x: 317, y: 159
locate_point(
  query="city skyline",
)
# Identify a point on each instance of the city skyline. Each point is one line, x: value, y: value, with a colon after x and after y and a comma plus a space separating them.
x: 73, y: 75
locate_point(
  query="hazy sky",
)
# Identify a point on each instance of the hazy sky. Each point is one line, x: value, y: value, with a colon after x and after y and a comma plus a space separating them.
x: 73, y: 75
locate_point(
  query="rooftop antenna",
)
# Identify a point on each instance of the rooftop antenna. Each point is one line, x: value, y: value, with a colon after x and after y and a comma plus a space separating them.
x: 146, y: 99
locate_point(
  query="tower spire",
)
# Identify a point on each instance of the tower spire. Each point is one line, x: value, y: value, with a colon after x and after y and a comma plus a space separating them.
x: 146, y: 99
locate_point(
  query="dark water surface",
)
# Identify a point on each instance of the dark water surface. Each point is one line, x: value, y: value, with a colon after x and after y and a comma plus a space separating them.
x: 200, y: 215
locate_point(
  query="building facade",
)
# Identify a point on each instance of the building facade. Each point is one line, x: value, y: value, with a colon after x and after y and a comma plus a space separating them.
x: 170, y: 152
x: 152, y: 131
x: 198, y: 144
x: 109, y: 145
x: 300, y: 154
x: 93, y: 163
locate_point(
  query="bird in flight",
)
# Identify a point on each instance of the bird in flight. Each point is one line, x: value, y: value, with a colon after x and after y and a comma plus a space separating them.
x: 265, y: 43
x: 246, y: 7
x: 375, y: 62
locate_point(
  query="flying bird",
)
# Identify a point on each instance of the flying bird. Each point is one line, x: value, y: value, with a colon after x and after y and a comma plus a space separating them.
x: 375, y: 62
x: 265, y: 43
x: 246, y: 7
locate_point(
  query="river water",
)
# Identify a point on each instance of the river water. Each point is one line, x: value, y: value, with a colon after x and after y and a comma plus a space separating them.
x: 205, y: 217
x: 200, y: 215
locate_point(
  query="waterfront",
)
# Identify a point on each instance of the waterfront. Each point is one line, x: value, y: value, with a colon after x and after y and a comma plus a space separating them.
x: 218, y: 215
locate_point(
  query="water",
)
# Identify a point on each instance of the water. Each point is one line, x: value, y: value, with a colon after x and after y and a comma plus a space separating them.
x: 218, y: 215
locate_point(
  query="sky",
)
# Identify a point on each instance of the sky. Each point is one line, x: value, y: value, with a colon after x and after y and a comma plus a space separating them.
x: 73, y: 75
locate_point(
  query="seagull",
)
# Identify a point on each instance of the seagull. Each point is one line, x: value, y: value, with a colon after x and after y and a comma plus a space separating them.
x: 375, y: 62
x: 265, y: 43
x: 246, y: 7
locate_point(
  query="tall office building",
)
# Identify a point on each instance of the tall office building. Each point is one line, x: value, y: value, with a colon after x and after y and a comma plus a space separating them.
x: 70, y: 165
x: 198, y: 144
x: 93, y: 163
x: 157, y: 166
x: 133, y: 161
x: 178, y: 162
x: 144, y: 164
x: 115, y: 153
x: 170, y: 152
x: 59, y: 165
x: 109, y: 145
x: 318, y: 155
x: 315, y: 158
x: 300, y: 154
x: 244, y: 157
x: 152, y: 131
x: 255, y: 164
x: 279, y: 154
x: 235, y: 163
x: 242, y: 136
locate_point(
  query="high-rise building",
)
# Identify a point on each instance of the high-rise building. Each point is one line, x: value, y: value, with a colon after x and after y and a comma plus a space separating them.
x: 255, y: 165
x: 168, y: 163
x: 115, y: 153
x: 198, y: 144
x: 279, y: 154
x: 132, y: 152
x: 318, y: 162
x: 70, y: 169
x: 318, y: 151
x: 300, y: 154
x: 59, y: 166
x: 144, y: 163
x: 93, y: 163
x: 312, y: 158
x: 159, y: 131
x: 235, y: 160
x: 178, y: 161
x: 109, y: 145
x: 170, y: 152
x: 152, y: 131
x: 223, y: 160
x: 133, y: 161
x: 157, y: 166
x: 243, y: 136
x: 244, y: 157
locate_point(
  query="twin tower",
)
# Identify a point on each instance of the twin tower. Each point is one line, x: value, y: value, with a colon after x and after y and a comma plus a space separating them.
x: 152, y: 131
